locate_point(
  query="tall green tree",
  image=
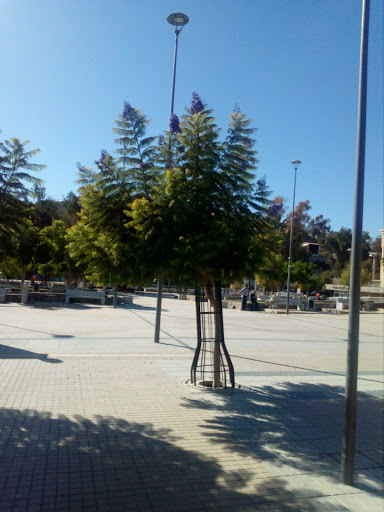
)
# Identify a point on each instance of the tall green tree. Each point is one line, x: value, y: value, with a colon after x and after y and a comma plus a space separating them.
x: 16, y: 185
x: 99, y: 241
x: 137, y: 153
x: 15, y: 169
x: 202, y: 220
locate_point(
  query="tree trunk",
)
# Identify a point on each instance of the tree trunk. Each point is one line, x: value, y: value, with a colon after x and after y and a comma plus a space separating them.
x: 216, y: 349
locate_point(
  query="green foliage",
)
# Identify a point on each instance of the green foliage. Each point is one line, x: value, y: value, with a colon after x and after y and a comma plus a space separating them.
x: 100, y: 243
x: 137, y: 155
x: 15, y: 174
x: 21, y: 250
x: 202, y: 219
x: 52, y: 255
x: 11, y: 268
x: 15, y: 169
x: 44, y: 212
x: 70, y: 209
x: 318, y: 229
x: 304, y: 275
x: 365, y: 276
x: 338, y: 243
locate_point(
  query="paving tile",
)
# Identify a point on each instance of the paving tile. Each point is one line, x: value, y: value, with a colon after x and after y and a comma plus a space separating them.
x: 105, y: 418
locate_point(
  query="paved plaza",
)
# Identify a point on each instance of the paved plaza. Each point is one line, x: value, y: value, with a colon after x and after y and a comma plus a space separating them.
x: 97, y: 417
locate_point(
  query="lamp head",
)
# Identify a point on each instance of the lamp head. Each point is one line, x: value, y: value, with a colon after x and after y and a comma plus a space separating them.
x: 178, y: 19
x: 295, y: 163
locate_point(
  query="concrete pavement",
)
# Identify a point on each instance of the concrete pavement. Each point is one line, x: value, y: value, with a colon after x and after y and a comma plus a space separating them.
x: 95, y: 416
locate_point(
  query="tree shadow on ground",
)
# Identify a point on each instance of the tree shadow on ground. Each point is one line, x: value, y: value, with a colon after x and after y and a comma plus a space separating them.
x: 297, y: 426
x: 7, y: 352
x: 109, y: 464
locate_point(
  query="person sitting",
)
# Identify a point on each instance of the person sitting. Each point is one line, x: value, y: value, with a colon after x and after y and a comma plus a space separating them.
x: 253, y: 300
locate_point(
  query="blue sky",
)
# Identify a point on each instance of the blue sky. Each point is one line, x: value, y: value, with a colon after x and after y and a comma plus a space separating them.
x: 292, y: 66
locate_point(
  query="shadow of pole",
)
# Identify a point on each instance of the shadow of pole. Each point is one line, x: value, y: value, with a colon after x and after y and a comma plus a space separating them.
x: 7, y: 352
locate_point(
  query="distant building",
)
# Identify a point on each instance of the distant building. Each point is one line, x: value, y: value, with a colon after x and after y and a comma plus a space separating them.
x: 314, y: 252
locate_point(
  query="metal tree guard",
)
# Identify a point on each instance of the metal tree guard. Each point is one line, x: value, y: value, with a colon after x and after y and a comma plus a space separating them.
x: 210, y: 331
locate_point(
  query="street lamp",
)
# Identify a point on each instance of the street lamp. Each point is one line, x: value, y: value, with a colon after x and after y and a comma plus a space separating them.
x: 295, y: 164
x: 177, y: 20
x: 350, y: 410
x: 373, y: 255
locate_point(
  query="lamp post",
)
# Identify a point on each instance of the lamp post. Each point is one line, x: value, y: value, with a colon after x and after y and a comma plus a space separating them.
x: 373, y: 255
x: 350, y: 410
x: 177, y: 20
x: 295, y: 164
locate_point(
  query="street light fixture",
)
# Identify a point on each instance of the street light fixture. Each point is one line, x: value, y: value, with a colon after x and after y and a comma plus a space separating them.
x: 295, y: 164
x: 177, y: 20
x: 373, y: 255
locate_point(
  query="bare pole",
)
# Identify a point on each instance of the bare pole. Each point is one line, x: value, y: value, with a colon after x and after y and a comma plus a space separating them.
x: 177, y: 32
x: 349, y: 430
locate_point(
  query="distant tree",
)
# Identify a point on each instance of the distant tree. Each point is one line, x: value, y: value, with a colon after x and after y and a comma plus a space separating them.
x: 376, y: 245
x: 301, y: 219
x: 100, y: 242
x: 44, y: 212
x: 272, y: 271
x: 365, y: 276
x: 277, y: 210
x: 15, y: 169
x: 52, y: 255
x: 15, y: 174
x: 318, y: 229
x: 21, y: 250
x: 70, y: 209
x: 304, y: 275
x: 338, y: 243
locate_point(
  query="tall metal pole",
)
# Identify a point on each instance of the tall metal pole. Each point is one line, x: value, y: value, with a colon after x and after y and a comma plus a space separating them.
x: 177, y: 32
x: 349, y: 430
x: 296, y: 164
x: 173, y: 19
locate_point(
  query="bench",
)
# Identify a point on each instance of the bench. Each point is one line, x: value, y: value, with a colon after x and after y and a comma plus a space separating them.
x: 367, y: 305
x: 281, y: 302
x: 75, y: 293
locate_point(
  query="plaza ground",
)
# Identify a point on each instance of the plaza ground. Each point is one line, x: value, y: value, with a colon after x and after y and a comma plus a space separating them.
x: 95, y: 416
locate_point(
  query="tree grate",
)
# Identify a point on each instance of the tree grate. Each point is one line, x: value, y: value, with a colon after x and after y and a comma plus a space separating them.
x: 211, y: 366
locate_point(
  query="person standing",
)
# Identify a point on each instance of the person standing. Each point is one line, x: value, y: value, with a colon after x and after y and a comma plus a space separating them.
x: 244, y: 293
